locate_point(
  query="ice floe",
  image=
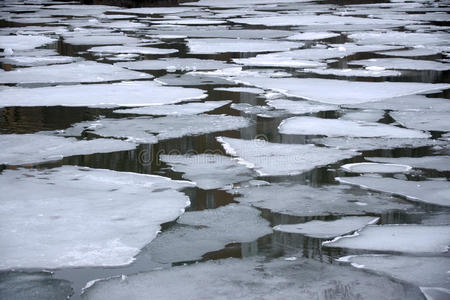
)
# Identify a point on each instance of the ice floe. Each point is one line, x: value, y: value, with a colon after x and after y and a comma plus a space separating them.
x: 399, y: 38
x: 308, y: 36
x: 299, y: 107
x: 23, y: 42
x: 85, y: 71
x: 430, y: 191
x: 181, y: 109
x: 99, y: 95
x: 327, y: 229
x: 205, y: 231
x: 338, y: 128
x: 259, y: 110
x: 398, y: 238
x: 19, y: 149
x: 253, y: 278
x: 62, y: 206
x: 241, y: 90
x: 411, y: 52
x: 408, y: 103
x: 429, y: 120
x: 110, y: 39
x: 276, y: 61
x: 212, y: 46
x: 220, y: 32
x: 440, y: 163
x: 363, y: 115
x: 131, y: 49
x: 401, y: 64
x: 340, y: 91
x: 375, y: 168
x: 208, y: 171
x: 33, y: 61
x: 275, y: 159
x: 174, y: 64
x: 354, y: 72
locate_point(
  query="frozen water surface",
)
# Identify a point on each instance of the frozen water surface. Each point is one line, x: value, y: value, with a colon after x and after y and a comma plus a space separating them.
x: 401, y: 64
x: 354, y: 72
x: 181, y: 109
x: 430, y: 191
x: 275, y: 159
x: 211, y: 46
x: 175, y: 64
x: 132, y: 49
x: 33, y: 61
x: 440, y: 163
x: 431, y: 120
x: 411, y: 52
x: 86, y: 71
x: 241, y: 90
x: 307, y: 36
x: 300, y: 107
x: 337, y: 128
x: 24, y: 42
x: 363, y: 115
x: 327, y: 229
x: 252, y: 279
x: 375, y: 168
x: 140, y: 93
x: 259, y: 110
x: 111, y: 39
x: 397, y: 238
x: 400, y: 38
x: 95, y: 217
x: 211, y: 228
x: 408, y: 103
x: 208, y: 171
x: 20, y: 149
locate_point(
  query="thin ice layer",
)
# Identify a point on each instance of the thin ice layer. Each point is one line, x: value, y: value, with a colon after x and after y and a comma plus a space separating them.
x: 20, y: 149
x: 142, y: 93
x: 430, y: 191
x: 33, y: 61
x: 431, y: 120
x: 174, y: 63
x: 253, y: 278
x: 299, y: 107
x: 208, y: 171
x: 131, y: 49
x: 85, y: 71
x: 205, y: 231
x: 275, y: 159
x: 408, y: 103
x: 23, y: 42
x: 440, y: 163
x: 401, y: 64
x: 212, y: 46
x: 181, y: 109
x: 375, y: 168
x: 397, y: 238
x: 327, y: 229
x: 337, y: 128
x: 354, y: 72
x: 73, y: 217
x: 303, y: 200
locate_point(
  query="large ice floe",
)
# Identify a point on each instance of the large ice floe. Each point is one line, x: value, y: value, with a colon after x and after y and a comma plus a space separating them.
x: 131, y: 49
x: 300, y: 107
x: 327, y: 229
x: 340, y: 91
x: 199, y: 232
x: 142, y: 93
x: 401, y: 64
x: 95, y: 217
x: 253, y: 279
x: 400, y: 38
x: 181, y: 109
x: 430, y: 191
x: 367, y: 167
x: 175, y: 64
x: 273, y: 159
x: 431, y: 120
x: 84, y: 38
x: 408, y: 103
x: 85, y: 71
x: 303, y: 200
x: 211, y: 46
x: 397, y: 238
x: 337, y: 128
x: 410, y: 52
x: 19, y: 149
x: 150, y: 130
x: 354, y: 72
x: 208, y: 171
x: 33, y: 61
x: 439, y: 163
x: 308, y: 36
x: 23, y: 42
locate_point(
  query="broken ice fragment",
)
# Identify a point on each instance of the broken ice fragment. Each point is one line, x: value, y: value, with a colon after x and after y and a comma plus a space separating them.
x: 375, y: 168
x: 181, y: 109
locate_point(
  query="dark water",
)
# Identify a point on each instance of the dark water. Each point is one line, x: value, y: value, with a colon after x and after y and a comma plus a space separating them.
x: 145, y: 159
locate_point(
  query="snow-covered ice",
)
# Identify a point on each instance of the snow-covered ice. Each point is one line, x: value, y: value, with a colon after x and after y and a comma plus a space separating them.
x: 354, y: 72
x: 440, y: 163
x: 180, y: 109
x: 211, y: 46
x: 423, y: 120
x: 174, y: 64
x: 367, y: 167
x: 23, y: 42
x: 131, y: 49
x: 300, y: 107
x: 308, y: 36
x: 401, y: 64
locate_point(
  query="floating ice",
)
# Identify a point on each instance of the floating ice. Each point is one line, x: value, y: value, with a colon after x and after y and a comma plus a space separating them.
x: 238, y: 3
x: 221, y: 32
x: 375, y: 168
x: 175, y: 63
x: 181, y: 109
x: 19, y: 149
x: 33, y: 285
x: 299, y: 107
x: 259, y: 110
x: 420, y: 271
x: 429, y: 120
x: 327, y: 229
x: 307, y: 36
x: 431, y: 191
x: 398, y: 238
x: 152, y: 10
x: 241, y: 90
x: 207, y: 230
x: 192, y: 80
x: 336, y: 128
x: 276, y: 61
x: 99, y: 95
x: 131, y: 49
x: 24, y: 42
x: 186, y: 21
x: 364, y: 115
x: 411, y: 52
x: 95, y: 217
x: 208, y: 171
x: 303, y: 200
x: 253, y: 279
x: 354, y: 72
x: 141, y: 129
x: 340, y: 91
x: 440, y: 163
x: 111, y: 39
x: 212, y: 46
x: 281, y: 159
x: 401, y: 64
x: 399, y: 38
x: 408, y: 103
x: 85, y: 71
x: 33, y: 61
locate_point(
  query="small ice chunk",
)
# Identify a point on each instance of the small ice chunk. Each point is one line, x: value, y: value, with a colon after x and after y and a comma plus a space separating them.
x: 397, y: 238
x: 208, y: 171
x: 399, y: 38
x: 300, y: 107
x: 132, y: 49
x: 275, y: 159
x: 140, y: 93
x: 354, y: 72
x: 411, y: 52
x: 206, y: 231
x: 182, y: 64
x: 241, y: 90
x: 212, y: 46
x: 408, y: 103
x: 181, y: 109
x: 309, y: 36
x: 275, y: 61
x: 440, y: 163
x: 364, y: 115
x: 432, y: 191
x: 337, y: 128
x: 259, y: 110
x: 188, y: 21
x: 423, y: 120
x: 376, y: 168
x: 402, y: 64
x: 110, y: 39
x: 20, y: 149
x: 23, y: 42
x: 85, y: 71
x: 73, y: 217
x: 33, y: 61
